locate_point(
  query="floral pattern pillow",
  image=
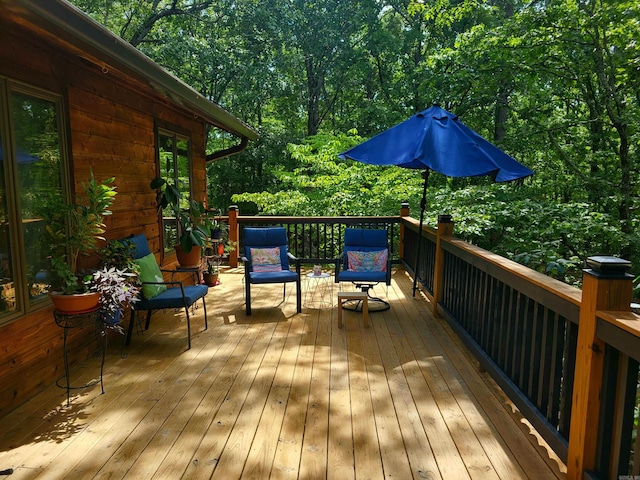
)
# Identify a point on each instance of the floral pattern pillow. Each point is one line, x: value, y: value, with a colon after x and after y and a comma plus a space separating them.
x: 266, y: 259
x: 368, y: 261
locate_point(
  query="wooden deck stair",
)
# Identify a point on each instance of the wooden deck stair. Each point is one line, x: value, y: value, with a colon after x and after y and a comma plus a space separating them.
x: 280, y: 395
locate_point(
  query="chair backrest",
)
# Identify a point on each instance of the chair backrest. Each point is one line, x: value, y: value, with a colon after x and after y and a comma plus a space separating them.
x: 364, y: 240
x: 141, y: 244
x: 266, y: 237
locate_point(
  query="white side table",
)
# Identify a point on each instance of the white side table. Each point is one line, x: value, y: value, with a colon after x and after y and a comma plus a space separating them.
x: 319, y: 292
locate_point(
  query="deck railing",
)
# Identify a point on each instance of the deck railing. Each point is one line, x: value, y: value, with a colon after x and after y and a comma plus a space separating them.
x: 315, y: 240
x: 568, y: 359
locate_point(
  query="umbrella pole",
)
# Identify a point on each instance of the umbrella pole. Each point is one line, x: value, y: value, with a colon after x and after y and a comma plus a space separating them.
x: 423, y: 206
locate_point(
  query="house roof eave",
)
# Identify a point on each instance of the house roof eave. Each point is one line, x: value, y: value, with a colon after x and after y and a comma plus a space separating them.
x: 73, y: 26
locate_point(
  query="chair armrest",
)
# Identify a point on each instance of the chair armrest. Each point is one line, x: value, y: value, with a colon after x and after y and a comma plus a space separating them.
x: 388, y: 282
x: 295, y: 260
x: 338, y: 263
x: 247, y: 265
x: 173, y: 282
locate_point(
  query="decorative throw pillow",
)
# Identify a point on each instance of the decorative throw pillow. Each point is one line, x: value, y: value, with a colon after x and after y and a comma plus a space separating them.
x: 368, y: 261
x: 149, y: 271
x: 266, y: 259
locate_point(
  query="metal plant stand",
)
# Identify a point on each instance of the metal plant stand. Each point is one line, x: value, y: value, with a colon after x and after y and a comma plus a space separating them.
x: 92, y: 319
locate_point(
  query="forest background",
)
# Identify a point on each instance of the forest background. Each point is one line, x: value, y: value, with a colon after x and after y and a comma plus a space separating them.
x: 554, y: 83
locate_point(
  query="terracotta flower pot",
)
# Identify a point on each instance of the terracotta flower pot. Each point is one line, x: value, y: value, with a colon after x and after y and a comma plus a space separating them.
x: 210, y: 279
x: 191, y: 259
x: 75, y: 303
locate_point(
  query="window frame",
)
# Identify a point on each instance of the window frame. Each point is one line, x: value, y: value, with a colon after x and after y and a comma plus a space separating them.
x: 177, y: 133
x: 8, y: 87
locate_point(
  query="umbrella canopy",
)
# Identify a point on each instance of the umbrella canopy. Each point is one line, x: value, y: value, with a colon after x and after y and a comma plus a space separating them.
x: 438, y: 140
x: 23, y: 157
x: 435, y: 139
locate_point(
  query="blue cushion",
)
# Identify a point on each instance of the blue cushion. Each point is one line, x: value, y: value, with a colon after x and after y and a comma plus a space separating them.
x: 265, y: 238
x: 172, y: 298
x: 273, y: 277
x: 141, y: 244
x: 361, y: 277
x: 363, y: 240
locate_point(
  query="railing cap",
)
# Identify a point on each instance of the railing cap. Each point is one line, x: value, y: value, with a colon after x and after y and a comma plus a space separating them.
x: 608, y: 266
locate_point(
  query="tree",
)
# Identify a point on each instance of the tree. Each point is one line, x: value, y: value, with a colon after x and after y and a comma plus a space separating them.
x: 554, y: 82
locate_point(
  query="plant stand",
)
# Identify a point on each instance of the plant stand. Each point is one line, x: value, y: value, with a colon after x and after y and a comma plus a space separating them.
x: 91, y: 319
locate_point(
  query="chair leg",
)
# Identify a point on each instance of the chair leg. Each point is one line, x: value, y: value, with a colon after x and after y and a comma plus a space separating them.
x: 186, y: 309
x: 204, y: 306
x: 248, y: 294
x: 298, y: 296
x: 146, y: 325
x: 130, y: 329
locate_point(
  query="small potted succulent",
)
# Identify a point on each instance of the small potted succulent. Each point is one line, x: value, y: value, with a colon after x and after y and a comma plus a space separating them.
x: 211, y: 272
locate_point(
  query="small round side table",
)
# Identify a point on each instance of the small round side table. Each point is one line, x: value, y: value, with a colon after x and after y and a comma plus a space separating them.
x: 319, y: 292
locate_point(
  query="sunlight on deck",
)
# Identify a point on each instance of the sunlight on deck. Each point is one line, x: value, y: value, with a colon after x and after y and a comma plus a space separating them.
x: 280, y: 395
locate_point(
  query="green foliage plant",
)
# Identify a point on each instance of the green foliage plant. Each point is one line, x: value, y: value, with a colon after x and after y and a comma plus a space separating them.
x: 118, y: 255
x: 74, y: 229
x: 193, y: 223
x: 117, y: 289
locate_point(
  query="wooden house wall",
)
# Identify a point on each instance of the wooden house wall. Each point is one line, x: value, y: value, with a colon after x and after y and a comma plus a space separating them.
x: 111, y: 130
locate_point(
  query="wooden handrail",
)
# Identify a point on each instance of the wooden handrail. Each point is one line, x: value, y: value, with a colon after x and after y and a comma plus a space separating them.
x: 627, y: 321
x: 536, y: 335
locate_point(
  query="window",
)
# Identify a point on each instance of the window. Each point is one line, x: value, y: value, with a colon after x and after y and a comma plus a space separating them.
x: 174, y: 159
x: 31, y: 182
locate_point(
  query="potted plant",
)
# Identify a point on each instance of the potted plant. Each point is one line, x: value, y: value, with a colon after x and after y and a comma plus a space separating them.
x: 217, y: 246
x: 211, y: 272
x: 219, y: 229
x: 117, y: 289
x: 119, y: 254
x: 74, y: 230
x: 194, y: 225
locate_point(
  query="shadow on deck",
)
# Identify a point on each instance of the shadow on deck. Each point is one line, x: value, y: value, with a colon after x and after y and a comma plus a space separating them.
x: 281, y: 395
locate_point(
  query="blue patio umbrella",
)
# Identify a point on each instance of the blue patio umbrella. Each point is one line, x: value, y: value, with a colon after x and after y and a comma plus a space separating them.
x: 23, y: 157
x: 435, y: 139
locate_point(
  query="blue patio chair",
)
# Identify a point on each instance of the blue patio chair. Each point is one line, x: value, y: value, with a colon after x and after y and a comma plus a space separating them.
x: 365, y: 262
x: 158, y: 294
x: 266, y: 260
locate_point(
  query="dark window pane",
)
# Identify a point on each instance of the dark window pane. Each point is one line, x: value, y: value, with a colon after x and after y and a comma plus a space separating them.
x: 39, y: 180
x: 7, y: 292
x: 173, y: 155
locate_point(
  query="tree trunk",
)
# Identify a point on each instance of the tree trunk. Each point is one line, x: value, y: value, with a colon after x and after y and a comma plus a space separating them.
x: 502, y: 102
x: 314, y: 88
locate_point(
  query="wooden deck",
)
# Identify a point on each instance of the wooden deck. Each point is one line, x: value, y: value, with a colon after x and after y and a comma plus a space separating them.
x: 280, y: 395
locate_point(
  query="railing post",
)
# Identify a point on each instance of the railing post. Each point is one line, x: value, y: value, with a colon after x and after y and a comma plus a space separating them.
x: 606, y: 286
x: 234, y: 235
x: 404, y: 212
x: 445, y: 227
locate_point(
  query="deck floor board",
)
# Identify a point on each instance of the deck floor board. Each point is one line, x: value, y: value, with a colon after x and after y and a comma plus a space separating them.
x: 281, y: 395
